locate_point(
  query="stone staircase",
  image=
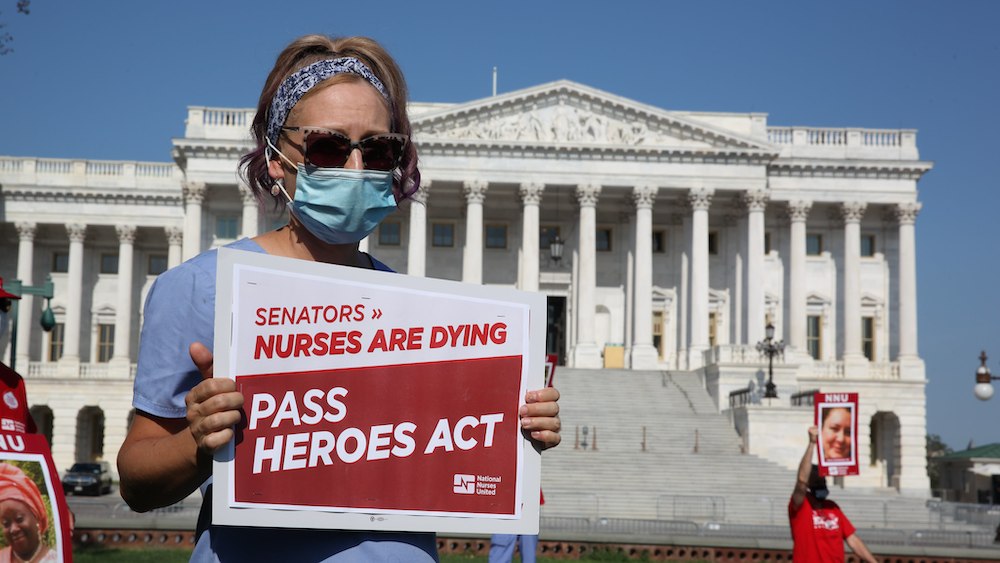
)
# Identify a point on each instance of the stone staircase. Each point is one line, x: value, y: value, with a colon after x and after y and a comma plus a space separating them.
x: 692, y: 466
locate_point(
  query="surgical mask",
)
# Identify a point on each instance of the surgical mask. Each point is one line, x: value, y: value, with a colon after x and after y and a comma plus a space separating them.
x: 821, y: 494
x: 340, y: 205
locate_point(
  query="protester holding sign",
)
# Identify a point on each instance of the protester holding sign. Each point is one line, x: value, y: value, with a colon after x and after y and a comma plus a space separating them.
x: 332, y: 142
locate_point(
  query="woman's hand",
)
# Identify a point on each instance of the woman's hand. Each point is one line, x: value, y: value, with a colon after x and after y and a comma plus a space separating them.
x: 213, y: 406
x: 540, y: 416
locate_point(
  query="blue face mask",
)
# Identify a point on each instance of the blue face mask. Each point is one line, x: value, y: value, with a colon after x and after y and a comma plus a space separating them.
x: 821, y: 494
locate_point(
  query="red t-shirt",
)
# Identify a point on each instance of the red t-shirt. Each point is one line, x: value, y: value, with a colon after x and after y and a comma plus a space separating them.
x: 14, y: 414
x: 818, y: 534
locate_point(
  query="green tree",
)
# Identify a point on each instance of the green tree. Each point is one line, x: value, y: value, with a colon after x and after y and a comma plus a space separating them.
x: 935, y: 448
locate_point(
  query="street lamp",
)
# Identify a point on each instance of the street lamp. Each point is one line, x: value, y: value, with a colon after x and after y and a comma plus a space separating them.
x: 48, y: 319
x: 770, y: 348
x: 556, y: 249
x: 984, y: 389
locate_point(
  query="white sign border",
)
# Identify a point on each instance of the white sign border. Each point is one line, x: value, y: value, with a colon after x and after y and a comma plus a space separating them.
x: 226, y: 515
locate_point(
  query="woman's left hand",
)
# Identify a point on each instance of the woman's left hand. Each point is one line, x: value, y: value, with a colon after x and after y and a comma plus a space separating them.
x: 540, y: 416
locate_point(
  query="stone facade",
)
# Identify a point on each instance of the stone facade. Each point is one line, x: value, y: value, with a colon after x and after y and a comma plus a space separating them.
x: 684, y: 235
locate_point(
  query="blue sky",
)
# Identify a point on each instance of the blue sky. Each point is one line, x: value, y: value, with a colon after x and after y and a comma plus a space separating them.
x: 112, y: 80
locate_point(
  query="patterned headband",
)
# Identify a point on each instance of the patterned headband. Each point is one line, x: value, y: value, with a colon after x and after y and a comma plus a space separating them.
x: 296, y: 86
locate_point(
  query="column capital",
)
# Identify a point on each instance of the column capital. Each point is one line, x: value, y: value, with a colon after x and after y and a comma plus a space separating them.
x: 126, y: 233
x: 587, y: 194
x: 852, y: 211
x: 475, y: 190
x: 701, y: 198
x: 906, y: 213
x: 194, y: 192
x: 175, y: 235
x: 756, y: 200
x: 798, y: 210
x: 26, y: 230
x: 644, y: 195
x: 531, y: 193
x: 77, y: 232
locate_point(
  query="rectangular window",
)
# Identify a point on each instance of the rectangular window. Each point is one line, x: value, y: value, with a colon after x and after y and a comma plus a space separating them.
x: 109, y: 263
x: 713, y: 332
x: 496, y: 236
x: 658, y: 333
x: 868, y: 245
x: 814, y: 244
x: 157, y: 264
x: 814, y: 328
x: 767, y: 243
x: 56, y: 337
x: 105, y: 342
x: 713, y: 242
x: 443, y: 235
x: 226, y: 227
x: 604, y: 239
x: 658, y: 242
x: 868, y: 337
x: 60, y: 261
x: 546, y: 235
x: 388, y: 234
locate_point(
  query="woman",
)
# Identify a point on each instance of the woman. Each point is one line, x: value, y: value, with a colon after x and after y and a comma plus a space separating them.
x: 836, y: 433
x: 24, y: 519
x: 331, y: 133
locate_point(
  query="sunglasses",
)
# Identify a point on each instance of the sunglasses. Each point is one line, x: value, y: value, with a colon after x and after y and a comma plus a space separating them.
x: 324, y: 148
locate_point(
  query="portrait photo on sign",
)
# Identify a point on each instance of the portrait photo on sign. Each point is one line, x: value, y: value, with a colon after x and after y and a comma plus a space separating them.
x: 836, y: 433
x: 30, y: 523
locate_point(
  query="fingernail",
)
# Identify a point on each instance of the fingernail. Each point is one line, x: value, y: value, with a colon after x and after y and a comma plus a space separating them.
x: 524, y: 410
x: 525, y: 422
x: 532, y: 397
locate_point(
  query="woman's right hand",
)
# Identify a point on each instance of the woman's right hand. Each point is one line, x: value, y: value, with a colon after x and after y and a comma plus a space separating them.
x: 213, y: 406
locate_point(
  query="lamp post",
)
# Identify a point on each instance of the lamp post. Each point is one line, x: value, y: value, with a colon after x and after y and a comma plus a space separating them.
x: 556, y: 249
x: 48, y: 319
x: 770, y: 348
x: 984, y: 389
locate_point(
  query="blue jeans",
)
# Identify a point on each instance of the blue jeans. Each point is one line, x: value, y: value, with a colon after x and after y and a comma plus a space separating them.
x: 502, y: 548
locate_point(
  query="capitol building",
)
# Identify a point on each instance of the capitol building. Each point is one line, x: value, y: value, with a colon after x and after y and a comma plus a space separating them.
x: 664, y: 240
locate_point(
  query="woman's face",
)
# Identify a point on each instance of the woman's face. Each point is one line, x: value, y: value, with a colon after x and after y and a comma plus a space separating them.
x: 20, y: 527
x: 837, y: 434
x: 355, y: 109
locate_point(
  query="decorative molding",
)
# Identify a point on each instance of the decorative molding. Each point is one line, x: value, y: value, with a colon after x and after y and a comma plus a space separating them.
x: 853, y: 211
x: 175, y: 235
x: 530, y: 193
x: 756, y: 200
x: 643, y: 196
x: 700, y: 198
x: 26, y: 230
x: 849, y: 170
x: 587, y: 194
x: 126, y: 233
x: 77, y: 232
x: 798, y: 210
x: 475, y: 190
x: 194, y: 192
x: 906, y: 213
x: 77, y: 198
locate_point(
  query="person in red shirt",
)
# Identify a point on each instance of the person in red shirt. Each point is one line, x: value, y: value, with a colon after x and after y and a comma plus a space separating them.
x: 14, y: 414
x: 819, y: 528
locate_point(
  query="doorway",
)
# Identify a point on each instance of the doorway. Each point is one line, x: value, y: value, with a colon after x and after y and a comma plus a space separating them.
x: 555, y: 328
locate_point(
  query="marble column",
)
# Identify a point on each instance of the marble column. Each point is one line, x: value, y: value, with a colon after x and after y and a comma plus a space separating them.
x: 798, y: 212
x: 683, y: 221
x: 194, y: 195
x: 251, y: 212
x: 531, y: 198
x: 586, y: 353
x: 852, y: 212
x: 734, y: 273
x: 701, y: 200
x: 25, y: 264
x: 175, y: 238
x: 416, y: 250
x: 906, y: 214
x: 70, y: 361
x: 644, y: 355
x: 756, y: 202
x: 472, y: 255
x: 122, y: 357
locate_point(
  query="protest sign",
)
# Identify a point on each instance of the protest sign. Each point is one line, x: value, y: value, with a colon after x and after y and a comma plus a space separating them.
x: 837, y: 420
x: 375, y: 400
x: 31, y: 493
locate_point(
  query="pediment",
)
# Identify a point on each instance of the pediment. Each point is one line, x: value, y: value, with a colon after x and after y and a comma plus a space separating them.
x: 567, y: 113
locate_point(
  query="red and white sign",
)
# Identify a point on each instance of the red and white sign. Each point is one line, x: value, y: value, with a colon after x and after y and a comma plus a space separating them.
x: 837, y: 444
x: 371, y: 393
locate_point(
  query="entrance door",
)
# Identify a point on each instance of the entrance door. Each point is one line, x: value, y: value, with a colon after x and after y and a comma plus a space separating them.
x: 555, y: 328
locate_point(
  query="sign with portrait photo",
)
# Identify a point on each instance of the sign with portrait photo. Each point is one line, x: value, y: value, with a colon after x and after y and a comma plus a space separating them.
x: 32, y: 506
x: 837, y: 420
x: 375, y: 400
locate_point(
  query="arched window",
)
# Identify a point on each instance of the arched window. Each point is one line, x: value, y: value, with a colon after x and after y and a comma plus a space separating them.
x: 90, y: 434
x: 43, y: 418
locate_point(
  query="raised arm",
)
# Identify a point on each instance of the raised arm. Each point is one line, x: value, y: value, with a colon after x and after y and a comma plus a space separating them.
x: 860, y: 549
x: 163, y: 460
x: 805, y: 468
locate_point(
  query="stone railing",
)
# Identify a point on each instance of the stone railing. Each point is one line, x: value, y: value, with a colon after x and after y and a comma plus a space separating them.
x: 883, y: 370
x: 50, y: 370
x: 883, y: 144
x: 42, y: 370
x: 828, y: 370
x: 219, y: 123
x: 737, y: 354
x: 85, y: 173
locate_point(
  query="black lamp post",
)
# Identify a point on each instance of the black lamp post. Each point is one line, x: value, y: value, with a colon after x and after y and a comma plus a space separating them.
x: 48, y: 319
x: 984, y: 387
x: 770, y: 348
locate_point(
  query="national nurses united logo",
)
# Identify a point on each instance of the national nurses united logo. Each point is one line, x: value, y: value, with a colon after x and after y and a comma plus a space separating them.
x: 10, y: 399
x: 476, y: 484
x: 465, y: 484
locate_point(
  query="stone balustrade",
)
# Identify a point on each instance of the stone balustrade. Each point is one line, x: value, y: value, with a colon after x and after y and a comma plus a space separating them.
x: 883, y: 370
x: 50, y: 370
x: 55, y: 172
x: 828, y: 370
x: 219, y: 123
x: 737, y: 354
x: 855, y: 143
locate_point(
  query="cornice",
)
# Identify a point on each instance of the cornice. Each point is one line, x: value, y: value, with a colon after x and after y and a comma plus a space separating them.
x: 73, y: 197
x: 209, y: 148
x: 853, y: 169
